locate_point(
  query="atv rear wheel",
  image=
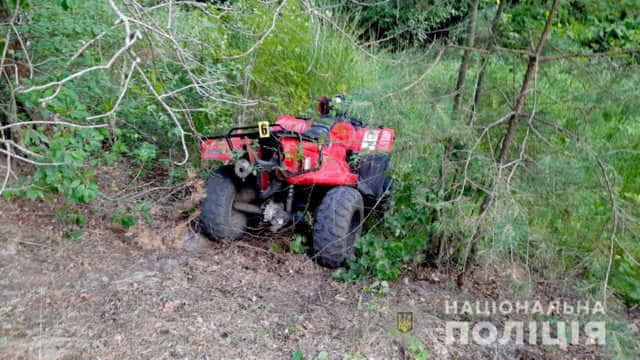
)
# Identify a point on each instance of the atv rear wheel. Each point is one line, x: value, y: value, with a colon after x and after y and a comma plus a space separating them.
x: 218, y: 218
x: 338, y: 224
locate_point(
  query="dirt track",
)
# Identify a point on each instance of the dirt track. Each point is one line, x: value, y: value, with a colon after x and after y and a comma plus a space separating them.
x: 106, y: 298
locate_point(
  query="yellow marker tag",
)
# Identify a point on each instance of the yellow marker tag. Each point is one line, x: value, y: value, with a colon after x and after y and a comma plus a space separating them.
x: 263, y: 129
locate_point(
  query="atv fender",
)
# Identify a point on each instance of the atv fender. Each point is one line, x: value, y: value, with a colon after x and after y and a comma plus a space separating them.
x: 373, y: 174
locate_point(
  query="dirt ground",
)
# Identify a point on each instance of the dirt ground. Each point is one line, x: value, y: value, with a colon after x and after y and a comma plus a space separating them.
x: 106, y: 297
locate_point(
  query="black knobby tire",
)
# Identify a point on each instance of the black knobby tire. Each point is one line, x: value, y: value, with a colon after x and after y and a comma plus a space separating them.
x: 218, y: 219
x: 338, y: 224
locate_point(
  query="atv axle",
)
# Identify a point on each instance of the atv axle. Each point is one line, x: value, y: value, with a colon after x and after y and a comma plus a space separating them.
x: 247, y: 208
x: 271, y: 213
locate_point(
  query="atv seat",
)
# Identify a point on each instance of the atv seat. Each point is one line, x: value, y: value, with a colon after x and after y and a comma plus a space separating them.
x: 317, y: 131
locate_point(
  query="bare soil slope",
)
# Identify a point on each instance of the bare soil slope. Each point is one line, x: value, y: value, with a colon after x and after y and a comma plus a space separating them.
x: 107, y: 298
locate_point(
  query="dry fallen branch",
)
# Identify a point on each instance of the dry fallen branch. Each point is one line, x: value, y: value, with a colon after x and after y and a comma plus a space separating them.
x: 90, y: 42
x: 136, y: 22
x: 614, y: 229
x: 52, y: 122
x: 541, y: 58
x: 125, y: 87
x: 60, y: 83
x: 170, y: 112
x: 8, y: 167
x: 590, y: 55
x: 266, y: 33
x: 11, y: 154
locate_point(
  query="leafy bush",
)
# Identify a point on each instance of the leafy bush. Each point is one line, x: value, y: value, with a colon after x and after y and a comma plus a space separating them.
x: 123, y: 218
x: 410, y: 22
x: 405, y: 234
x: 590, y: 24
x: 298, y: 245
x: 300, y: 60
x: 69, y: 150
x: 554, y: 216
x: 625, y: 279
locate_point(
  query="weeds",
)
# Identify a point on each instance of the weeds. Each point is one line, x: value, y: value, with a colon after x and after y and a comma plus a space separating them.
x: 299, y: 244
x: 124, y: 219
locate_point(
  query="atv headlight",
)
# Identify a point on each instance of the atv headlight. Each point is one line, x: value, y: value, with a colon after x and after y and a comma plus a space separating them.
x: 369, y: 140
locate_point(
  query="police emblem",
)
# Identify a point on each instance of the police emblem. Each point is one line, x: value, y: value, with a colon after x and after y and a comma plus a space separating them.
x: 405, y: 321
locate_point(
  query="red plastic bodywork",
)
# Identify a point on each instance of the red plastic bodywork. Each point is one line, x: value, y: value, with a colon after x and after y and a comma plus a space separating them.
x: 331, y: 169
x: 290, y: 123
x: 218, y: 149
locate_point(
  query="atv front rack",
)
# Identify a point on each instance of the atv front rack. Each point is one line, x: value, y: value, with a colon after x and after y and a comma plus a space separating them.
x: 232, y: 133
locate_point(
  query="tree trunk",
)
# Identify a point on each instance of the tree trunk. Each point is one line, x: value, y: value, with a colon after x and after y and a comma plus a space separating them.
x: 462, y: 74
x: 466, y: 59
x: 457, y: 104
x: 508, y: 137
x: 485, y: 61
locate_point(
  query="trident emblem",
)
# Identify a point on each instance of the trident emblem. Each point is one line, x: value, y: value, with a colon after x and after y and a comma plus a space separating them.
x: 405, y: 321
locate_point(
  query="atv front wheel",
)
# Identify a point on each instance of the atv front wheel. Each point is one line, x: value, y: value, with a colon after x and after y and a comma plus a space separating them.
x: 218, y: 218
x: 338, y: 224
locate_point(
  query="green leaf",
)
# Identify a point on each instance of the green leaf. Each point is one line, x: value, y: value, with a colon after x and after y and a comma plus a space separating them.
x: 74, y: 235
x: 33, y: 193
x: 297, y: 355
x: 124, y: 219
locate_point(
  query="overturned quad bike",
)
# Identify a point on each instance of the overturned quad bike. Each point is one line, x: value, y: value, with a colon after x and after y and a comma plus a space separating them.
x: 326, y: 173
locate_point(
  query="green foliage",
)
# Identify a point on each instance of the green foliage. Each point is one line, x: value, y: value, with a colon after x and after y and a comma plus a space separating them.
x: 299, y: 244
x: 555, y: 216
x: 129, y: 216
x: 625, y: 279
x: 300, y: 60
x: 622, y: 341
x: 123, y: 218
x: 56, y: 30
x: 75, y: 219
x: 276, y: 248
x: 551, y: 211
x: 355, y: 356
x: 74, y: 235
x: 298, y: 355
x: 67, y: 150
x: 418, y: 351
x: 412, y: 22
x: 145, y: 153
x: 378, y: 288
x: 143, y: 211
x: 71, y: 217
x: 586, y: 24
x: 11, y: 5
x: 405, y: 234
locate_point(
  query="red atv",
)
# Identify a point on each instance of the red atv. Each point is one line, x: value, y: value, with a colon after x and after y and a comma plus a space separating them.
x: 325, y: 172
